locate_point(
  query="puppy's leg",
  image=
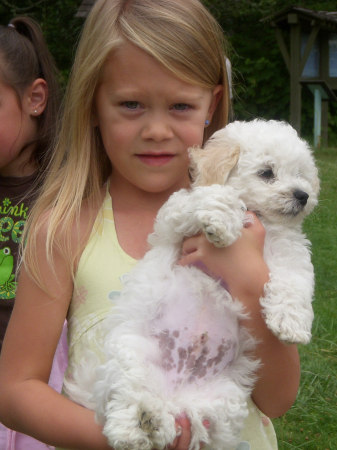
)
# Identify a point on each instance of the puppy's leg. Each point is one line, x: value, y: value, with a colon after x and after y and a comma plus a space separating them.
x: 215, y: 210
x: 225, y: 409
x: 221, y: 214
x: 140, y: 423
x: 128, y: 397
x: 285, y: 313
x: 287, y: 300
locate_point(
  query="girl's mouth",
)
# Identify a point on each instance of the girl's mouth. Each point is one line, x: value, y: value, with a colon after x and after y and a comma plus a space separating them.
x: 153, y: 159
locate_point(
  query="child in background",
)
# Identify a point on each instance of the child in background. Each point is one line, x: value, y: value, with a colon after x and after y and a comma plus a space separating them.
x: 149, y: 80
x: 29, y: 102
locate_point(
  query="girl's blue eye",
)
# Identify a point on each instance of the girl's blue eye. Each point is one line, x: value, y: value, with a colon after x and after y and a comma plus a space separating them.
x: 130, y: 104
x: 181, y: 106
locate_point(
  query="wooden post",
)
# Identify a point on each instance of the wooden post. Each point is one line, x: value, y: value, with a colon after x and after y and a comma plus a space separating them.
x: 325, y: 113
x: 317, y: 117
x: 295, y: 86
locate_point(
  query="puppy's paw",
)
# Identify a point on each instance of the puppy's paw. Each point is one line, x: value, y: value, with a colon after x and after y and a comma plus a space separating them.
x: 217, y: 234
x: 148, y: 422
x: 159, y: 428
x: 132, y: 438
x: 288, y: 328
x: 219, y: 230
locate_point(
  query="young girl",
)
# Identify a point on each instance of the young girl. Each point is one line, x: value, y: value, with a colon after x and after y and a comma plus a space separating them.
x: 148, y: 81
x: 29, y: 101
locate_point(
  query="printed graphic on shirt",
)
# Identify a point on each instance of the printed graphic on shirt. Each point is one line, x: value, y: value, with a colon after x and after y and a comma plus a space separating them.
x: 244, y: 445
x: 12, y: 220
x: 7, y: 285
x: 114, y: 295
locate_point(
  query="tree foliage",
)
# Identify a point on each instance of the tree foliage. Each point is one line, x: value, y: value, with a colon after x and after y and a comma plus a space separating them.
x: 58, y: 22
x: 260, y: 78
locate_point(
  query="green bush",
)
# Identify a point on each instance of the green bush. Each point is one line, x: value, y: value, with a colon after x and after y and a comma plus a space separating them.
x: 58, y: 22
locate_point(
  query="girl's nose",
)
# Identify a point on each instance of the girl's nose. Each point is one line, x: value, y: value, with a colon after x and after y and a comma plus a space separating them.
x: 157, y: 128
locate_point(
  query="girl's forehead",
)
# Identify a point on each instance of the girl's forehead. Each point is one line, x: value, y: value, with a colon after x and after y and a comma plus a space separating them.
x: 130, y: 64
x: 127, y: 55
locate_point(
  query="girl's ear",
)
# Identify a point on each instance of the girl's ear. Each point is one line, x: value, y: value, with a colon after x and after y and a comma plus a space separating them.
x: 36, y: 97
x: 216, y: 96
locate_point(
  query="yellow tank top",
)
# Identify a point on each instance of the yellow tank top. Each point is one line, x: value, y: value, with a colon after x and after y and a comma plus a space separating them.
x: 97, y: 281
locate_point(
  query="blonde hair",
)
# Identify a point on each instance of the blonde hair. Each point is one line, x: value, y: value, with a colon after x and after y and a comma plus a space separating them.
x: 181, y: 35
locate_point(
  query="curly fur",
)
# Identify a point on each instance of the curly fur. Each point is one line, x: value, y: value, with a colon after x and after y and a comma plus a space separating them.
x: 174, y: 344
x: 276, y: 177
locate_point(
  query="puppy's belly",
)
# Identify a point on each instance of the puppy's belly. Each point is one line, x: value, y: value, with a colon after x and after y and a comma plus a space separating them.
x: 197, y: 336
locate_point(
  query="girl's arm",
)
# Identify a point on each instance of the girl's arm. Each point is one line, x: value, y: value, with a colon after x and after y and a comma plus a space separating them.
x: 243, y: 269
x: 27, y: 403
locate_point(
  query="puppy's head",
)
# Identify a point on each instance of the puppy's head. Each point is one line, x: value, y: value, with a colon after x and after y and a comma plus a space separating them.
x: 269, y: 164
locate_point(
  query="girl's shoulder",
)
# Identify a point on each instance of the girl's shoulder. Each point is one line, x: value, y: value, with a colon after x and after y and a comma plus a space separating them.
x: 69, y: 241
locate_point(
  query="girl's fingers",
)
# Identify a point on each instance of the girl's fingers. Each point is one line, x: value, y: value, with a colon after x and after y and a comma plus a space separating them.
x: 191, y: 244
x: 183, y: 425
x: 254, y: 231
x: 183, y: 439
x: 193, y: 251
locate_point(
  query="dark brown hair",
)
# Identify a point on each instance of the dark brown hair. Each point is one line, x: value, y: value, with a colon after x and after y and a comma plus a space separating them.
x: 25, y: 57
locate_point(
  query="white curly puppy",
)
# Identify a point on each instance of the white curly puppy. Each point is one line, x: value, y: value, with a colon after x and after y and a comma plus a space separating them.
x: 174, y: 344
x: 276, y: 177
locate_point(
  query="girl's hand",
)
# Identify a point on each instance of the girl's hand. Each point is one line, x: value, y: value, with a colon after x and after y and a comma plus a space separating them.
x: 182, y: 441
x: 240, y: 266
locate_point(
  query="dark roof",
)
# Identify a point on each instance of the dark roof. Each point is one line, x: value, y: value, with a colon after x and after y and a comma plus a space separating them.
x: 326, y: 18
x: 84, y: 8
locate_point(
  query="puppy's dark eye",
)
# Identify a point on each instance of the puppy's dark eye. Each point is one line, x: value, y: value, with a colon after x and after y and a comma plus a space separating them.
x: 267, y: 174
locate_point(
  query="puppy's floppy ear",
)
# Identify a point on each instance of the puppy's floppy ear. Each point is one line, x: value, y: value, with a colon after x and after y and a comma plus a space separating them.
x: 213, y: 163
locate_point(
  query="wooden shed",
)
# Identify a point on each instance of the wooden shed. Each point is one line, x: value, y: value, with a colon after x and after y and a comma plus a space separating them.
x: 308, y: 43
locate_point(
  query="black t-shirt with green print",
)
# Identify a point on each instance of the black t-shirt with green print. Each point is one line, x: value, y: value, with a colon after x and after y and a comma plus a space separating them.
x: 16, y: 198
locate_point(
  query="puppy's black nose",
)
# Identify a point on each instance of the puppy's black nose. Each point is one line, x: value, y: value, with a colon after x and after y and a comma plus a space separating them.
x: 301, y: 196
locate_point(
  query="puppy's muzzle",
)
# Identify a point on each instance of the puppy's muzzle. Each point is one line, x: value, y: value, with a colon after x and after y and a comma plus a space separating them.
x: 301, y: 197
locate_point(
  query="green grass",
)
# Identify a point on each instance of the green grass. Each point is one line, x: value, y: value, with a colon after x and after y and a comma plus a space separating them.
x: 312, y: 422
